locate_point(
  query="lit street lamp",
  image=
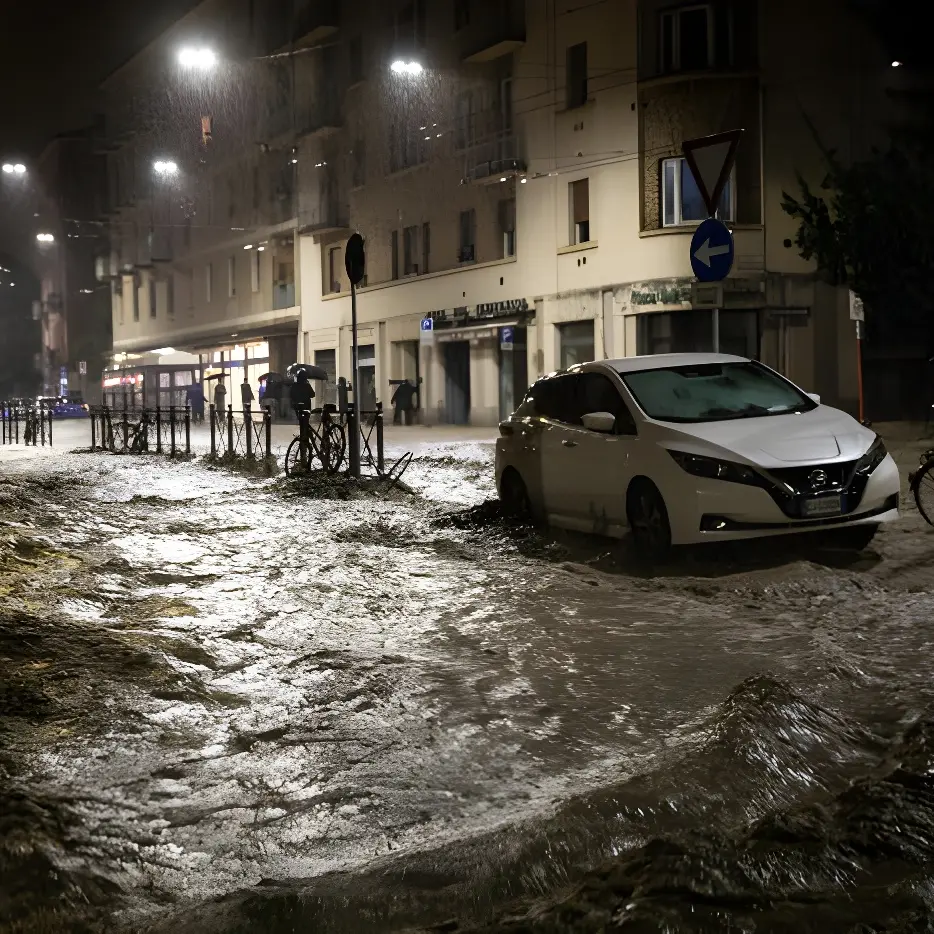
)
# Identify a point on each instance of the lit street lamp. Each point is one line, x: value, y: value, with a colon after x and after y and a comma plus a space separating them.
x: 202, y: 59
x: 14, y: 168
x: 165, y: 168
x: 400, y: 67
x: 45, y: 237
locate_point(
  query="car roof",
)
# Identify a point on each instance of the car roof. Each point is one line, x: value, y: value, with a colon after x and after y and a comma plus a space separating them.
x: 661, y: 360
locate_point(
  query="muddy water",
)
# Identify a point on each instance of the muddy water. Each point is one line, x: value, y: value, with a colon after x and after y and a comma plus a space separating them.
x: 228, y: 707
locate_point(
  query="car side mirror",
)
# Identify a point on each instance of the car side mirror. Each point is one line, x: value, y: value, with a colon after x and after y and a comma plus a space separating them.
x: 813, y: 396
x: 603, y: 422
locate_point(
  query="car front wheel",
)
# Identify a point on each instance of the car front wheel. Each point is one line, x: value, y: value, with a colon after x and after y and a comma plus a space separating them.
x: 648, y: 519
x: 514, y: 495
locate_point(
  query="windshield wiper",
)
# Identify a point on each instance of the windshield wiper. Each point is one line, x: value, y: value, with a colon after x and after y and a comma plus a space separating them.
x: 724, y: 414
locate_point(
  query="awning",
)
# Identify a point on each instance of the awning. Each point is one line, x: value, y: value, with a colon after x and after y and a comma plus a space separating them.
x: 487, y: 331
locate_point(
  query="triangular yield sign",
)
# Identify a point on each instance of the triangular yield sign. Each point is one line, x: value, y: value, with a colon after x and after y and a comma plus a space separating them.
x: 711, y: 159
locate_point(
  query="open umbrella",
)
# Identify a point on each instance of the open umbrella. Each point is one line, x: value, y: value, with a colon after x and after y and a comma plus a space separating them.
x: 314, y: 372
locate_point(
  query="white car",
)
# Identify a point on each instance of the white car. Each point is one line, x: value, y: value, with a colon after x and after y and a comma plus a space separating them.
x: 687, y: 448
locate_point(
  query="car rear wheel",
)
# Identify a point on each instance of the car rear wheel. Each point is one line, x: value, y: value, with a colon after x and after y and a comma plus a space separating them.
x: 648, y: 519
x: 514, y: 495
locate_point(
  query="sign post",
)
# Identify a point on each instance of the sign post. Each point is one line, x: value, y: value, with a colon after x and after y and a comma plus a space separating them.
x: 858, y: 314
x: 711, y: 159
x: 355, y: 264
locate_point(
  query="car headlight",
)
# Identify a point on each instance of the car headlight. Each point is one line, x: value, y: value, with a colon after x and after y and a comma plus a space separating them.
x: 712, y: 468
x: 872, y: 458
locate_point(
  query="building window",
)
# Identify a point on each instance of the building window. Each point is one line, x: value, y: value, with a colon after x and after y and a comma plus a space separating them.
x: 687, y: 39
x: 461, y: 14
x: 410, y: 23
x: 406, y: 146
x: 507, y: 225
x: 426, y: 246
x: 575, y: 343
x: 681, y: 198
x: 410, y: 251
x: 468, y: 237
x: 356, y: 59
x: 254, y: 270
x: 255, y: 188
x: 464, y: 126
x: 153, y: 298
x: 231, y: 276
x: 359, y: 163
x: 327, y: 360
x: 334, y: 269
x: 577, y: 75
x: 579, y: 198
x: 209, y: 283
x: 395, y: 254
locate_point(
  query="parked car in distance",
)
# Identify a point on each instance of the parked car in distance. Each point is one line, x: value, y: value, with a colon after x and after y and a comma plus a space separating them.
x: 689, y: 448
x: 61, y: 407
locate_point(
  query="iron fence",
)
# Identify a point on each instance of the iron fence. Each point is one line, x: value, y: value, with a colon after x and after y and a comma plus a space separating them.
x: 244, y: 433
x: 26, y: 424
x: 142, y: 431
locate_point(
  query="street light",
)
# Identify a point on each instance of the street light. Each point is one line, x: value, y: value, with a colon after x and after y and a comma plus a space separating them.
x: 15, y: 168
x: 202, y: 59
x: 400, y: 67
x: 165, y: 168
x: 45, y: 237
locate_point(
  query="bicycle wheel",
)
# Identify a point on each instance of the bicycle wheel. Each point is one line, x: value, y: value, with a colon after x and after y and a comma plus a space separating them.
x: 332, y: 447
x: 293, y: 459
x: 922, y: 485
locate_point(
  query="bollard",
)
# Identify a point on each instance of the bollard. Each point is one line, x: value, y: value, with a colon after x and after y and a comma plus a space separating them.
x: 267, y: 424
x: 158, y: 429
x: 187, y: 429
x: 213, y: 415
x: 16, y: 420
x: 380, y: 459
x: 50, y: 429
x: 248, y: 428
x: 230, y: 441
x: 172, y: 427
x: 126, y: 430
x: 93, y: 432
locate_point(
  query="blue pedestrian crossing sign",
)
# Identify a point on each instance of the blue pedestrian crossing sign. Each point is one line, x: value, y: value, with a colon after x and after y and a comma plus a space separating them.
x: 712, y: 251
x: 427, y: 332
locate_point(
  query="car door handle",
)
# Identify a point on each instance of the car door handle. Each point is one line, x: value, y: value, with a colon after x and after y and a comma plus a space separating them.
x: 569, y: 444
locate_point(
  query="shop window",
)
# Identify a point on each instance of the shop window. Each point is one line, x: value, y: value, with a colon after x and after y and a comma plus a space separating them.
x: 468, y: 236
x: 579, y: 198
x: 575, y: 343
x: 681, y: 198
x: 687, y: 39
x: 410, y: 251
x: 507, y: 225
x: 576, y: 91
x: 674, y: 332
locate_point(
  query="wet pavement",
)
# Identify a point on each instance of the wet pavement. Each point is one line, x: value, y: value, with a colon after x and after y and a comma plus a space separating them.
x: 229, y: 704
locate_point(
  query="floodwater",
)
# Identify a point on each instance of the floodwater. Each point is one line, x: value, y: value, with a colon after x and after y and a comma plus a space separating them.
x: 227, y: 704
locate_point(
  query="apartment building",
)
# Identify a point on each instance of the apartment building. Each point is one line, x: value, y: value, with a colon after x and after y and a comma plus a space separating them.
x: 526, y: 190
x: 515, y: 169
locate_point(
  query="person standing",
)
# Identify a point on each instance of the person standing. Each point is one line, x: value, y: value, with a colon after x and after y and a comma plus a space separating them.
x: 194, y: 397
x: 220, y: 402
x: 402, y: 402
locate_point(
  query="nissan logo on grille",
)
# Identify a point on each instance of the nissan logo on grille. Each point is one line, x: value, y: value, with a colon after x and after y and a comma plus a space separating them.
x: 817, y: 479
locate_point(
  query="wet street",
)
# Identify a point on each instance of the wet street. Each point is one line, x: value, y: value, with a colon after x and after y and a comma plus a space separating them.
x: 231, y: 704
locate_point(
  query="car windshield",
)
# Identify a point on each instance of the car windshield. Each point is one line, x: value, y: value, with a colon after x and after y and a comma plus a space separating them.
x: 711, y: 392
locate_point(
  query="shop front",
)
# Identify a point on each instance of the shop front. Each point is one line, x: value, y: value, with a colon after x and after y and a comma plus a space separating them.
x: 148, y: 386
x: 479, y: 356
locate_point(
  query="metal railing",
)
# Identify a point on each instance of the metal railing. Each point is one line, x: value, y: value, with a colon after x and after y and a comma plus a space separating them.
x: 26, y: 424
x: 246, y: 433
x: 142, y: 431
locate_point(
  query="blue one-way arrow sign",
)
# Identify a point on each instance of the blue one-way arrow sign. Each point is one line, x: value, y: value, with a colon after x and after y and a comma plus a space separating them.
x: 712, y: 251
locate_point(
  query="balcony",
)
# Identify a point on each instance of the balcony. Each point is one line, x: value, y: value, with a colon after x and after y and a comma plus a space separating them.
x: 320, y: 117
x: 501, y: 31
x: 326, y: 217
x: 493, y: 158
x: 316, y: 21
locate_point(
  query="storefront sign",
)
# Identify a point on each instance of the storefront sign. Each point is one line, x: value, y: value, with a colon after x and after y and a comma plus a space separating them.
x: 663, y: 294
x: 479, y: 312
x: 466, y: 334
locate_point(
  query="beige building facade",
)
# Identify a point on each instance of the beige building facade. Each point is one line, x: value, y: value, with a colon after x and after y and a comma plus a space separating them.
x: 516, y: 171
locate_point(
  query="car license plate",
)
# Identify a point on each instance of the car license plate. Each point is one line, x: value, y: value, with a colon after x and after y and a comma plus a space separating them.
x: 821, y: 506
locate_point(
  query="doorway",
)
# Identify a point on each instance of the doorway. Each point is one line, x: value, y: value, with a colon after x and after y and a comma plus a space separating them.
x: 366, y: 364
x: 457, y: 383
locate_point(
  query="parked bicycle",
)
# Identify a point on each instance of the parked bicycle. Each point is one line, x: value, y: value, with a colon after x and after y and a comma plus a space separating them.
x: 326, y: 443
x: 921, y: 484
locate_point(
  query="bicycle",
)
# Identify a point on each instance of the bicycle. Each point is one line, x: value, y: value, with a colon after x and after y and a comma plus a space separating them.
x: 921, y: 484
x: 326, y: 442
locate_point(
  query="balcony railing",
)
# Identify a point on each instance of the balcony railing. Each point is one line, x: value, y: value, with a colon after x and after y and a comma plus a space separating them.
x: 494, y: 32
x: 283, y: 295
x: 492, y: 157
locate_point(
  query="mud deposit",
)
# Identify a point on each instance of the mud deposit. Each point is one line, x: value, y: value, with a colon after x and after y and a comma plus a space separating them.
x: 232, y: 704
